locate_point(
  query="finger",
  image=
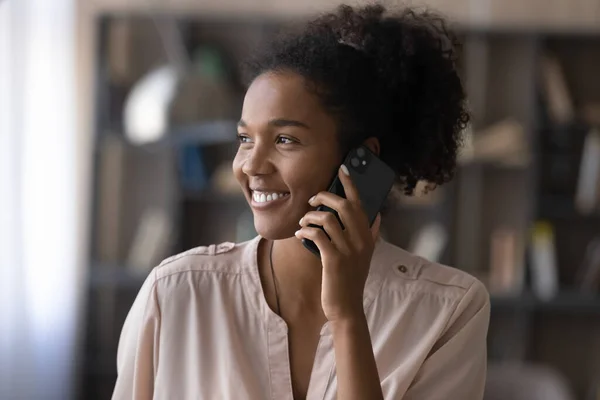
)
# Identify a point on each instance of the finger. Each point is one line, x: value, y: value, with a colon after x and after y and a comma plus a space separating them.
x: 352, y: 217
x: 318, y: 236
x: 349, y: 187
x: 330, y: 223
x: 375, y: 228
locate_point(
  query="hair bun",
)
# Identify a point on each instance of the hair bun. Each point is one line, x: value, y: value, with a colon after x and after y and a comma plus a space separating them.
x: 401, y: 86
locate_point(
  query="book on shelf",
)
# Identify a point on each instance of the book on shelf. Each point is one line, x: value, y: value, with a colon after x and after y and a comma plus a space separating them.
x: 555, y: 90
x: 587, y: 196
x: 588, y: 274
x: 192, y: 172
x: 503, y: 142
x: 119, y: 50
x: 151, y: 241
x: 108, y: 218
x: 594, y: 392
x: 590, y: 114
x: 507, y: 269
x: 544, y: 268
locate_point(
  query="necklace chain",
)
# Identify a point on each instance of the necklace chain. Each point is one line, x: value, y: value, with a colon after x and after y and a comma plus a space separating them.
x: 274, y: 278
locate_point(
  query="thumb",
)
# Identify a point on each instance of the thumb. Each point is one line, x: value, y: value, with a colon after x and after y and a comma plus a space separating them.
x: 376, y: 227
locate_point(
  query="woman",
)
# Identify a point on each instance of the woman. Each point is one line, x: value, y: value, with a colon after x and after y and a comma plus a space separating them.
x: 267, y: 319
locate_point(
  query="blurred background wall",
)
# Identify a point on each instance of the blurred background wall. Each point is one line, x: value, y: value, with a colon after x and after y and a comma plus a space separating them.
x: 149, y: 93
x: 41, y: 218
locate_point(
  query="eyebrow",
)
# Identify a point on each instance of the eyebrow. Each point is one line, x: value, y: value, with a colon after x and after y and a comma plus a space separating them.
x: 279, y: 123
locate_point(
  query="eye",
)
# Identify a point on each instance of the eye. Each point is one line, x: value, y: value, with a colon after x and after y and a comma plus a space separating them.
x: 243, y: 138
x: 285, y: 140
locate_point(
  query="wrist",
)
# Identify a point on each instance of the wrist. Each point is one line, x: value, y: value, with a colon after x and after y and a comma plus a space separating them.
x: 349, y: 323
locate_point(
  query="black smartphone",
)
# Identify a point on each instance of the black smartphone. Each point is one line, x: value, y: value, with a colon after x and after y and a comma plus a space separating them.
x: 373, y: 179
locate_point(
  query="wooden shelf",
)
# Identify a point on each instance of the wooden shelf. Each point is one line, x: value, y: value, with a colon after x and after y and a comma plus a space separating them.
x: 579, y: 15
x: 564, y: 301
x: 205, y: 133
x: 104, y: 275
x: 563, y: 207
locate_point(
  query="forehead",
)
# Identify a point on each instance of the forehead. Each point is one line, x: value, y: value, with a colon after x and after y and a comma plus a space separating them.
x: 275, y: 95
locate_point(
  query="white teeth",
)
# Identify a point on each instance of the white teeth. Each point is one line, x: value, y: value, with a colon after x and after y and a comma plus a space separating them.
x: 261, y: 197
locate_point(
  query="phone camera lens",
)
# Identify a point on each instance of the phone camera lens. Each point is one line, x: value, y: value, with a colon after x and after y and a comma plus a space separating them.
x: 360, y: 152
x: 355, y: 162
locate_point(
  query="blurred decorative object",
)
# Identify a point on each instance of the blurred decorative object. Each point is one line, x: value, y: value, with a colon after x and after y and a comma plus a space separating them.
x: 503, y: 143
x: 151, y: 242
x: 507, y: 272
x: 175, y: 99
x: 588, y: 274
x: 223, y: 181
x: 555, y: 90
x: 147, y: 107
x: 587, y: 197
x: 429, y: 242
x: 204, y: 92
x: 544, y: 269
x: 110, y: 192
x: 512, y: 381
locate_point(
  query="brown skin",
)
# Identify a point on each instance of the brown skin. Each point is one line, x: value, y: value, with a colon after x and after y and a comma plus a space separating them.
x: 289, y: 145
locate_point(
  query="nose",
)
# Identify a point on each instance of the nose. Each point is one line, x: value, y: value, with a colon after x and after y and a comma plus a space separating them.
x: 258, y: 161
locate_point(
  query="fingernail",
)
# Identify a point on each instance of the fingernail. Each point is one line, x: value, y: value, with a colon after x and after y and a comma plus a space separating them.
x: 301, y: 219
x: 345, y: 170
x: 297, y: 232
x: 312, y: 199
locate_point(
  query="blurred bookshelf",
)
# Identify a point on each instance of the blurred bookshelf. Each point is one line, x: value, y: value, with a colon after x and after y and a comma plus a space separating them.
x: 178, y: 193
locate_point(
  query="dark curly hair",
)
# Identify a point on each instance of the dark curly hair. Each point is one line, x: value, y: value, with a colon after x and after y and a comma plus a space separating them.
x: 388, y: 75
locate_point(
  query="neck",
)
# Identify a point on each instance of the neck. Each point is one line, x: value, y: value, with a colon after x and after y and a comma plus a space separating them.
x: 298, y: 273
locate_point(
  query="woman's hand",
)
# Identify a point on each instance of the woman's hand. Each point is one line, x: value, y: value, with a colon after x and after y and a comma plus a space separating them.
x: 347, y: 256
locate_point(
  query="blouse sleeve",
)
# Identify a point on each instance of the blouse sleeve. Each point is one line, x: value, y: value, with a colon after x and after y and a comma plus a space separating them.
x: 137, y: 356
x: 456, y: 366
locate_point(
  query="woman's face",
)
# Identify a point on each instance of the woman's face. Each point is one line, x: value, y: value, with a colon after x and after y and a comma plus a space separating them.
x: 288, y: 152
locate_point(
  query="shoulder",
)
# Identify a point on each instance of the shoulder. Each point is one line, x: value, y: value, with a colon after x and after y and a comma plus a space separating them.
x: 437, y: 291
x: 223, y: 258
x: 409, y: 272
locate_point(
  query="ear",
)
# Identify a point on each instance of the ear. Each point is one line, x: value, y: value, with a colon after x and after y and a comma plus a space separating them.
x: 372, y: 144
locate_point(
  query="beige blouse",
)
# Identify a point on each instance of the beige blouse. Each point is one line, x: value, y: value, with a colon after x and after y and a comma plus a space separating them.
x: 200, y: 328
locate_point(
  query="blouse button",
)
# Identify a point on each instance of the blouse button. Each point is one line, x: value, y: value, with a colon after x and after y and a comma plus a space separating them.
x: 402, y: 268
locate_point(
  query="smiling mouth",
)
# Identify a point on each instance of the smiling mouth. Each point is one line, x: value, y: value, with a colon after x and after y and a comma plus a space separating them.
x: 265, y: 198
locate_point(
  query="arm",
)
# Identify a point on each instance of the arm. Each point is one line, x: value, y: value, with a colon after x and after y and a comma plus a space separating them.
x: 346, y: 258
x: 355, y: 362
x: 137, y: 356
x: 456, y: 366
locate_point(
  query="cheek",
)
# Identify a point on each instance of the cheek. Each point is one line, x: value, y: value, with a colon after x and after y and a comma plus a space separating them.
x: 307, y: 179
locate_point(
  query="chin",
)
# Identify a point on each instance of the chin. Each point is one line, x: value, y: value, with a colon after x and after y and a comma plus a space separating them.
x: 271, y: 229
